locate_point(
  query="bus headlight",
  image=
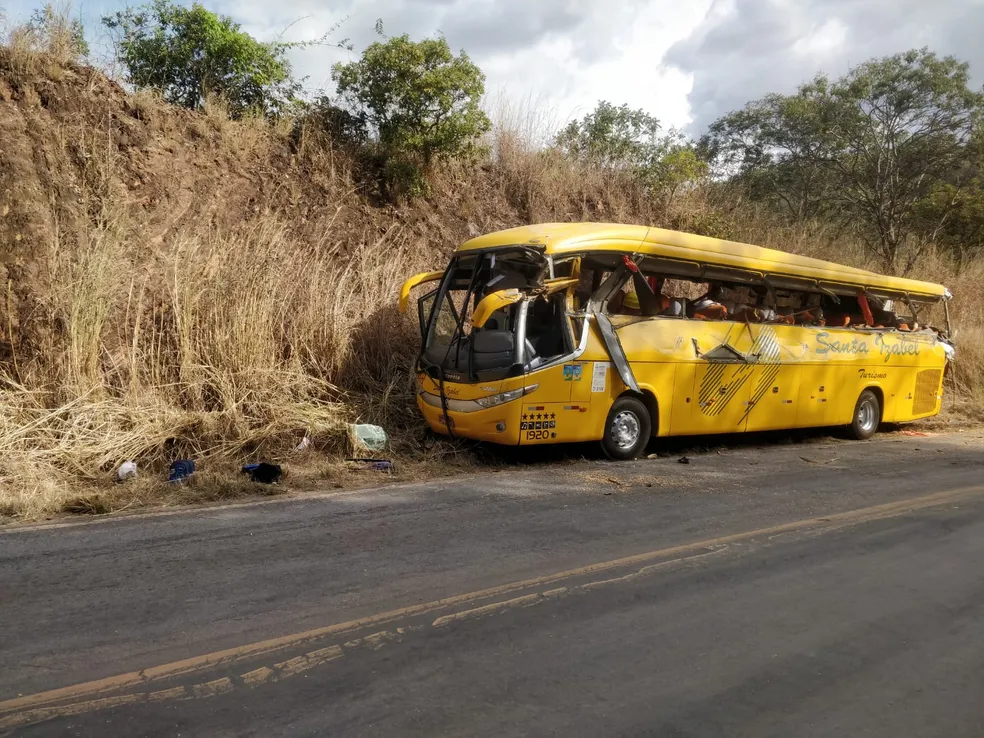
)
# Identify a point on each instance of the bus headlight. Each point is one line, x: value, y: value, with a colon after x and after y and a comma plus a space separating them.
x: 496, y: 400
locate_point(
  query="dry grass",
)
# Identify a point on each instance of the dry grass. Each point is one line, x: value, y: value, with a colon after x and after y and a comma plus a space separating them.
x: 38, y: 48
x: 227, y: 345
x: 220, y: 347
x: 543, y: 185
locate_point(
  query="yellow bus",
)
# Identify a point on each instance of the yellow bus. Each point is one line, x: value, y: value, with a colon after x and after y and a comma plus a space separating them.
x: 572, y: 332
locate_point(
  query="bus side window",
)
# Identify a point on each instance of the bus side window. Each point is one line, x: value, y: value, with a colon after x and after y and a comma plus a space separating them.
x: 709, y: 305
x: 589, y: 283
x: 836, y: 312
x: 564, y: 269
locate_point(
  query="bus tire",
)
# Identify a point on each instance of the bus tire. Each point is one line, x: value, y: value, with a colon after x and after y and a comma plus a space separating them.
x: 627, y: 429
x: 867, y: 416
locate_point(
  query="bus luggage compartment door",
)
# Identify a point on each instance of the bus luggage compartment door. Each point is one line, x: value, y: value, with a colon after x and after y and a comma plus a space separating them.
x: 713, y: 398
x: 712, y: 392
x: 775, y: 391
x: 775, y: 385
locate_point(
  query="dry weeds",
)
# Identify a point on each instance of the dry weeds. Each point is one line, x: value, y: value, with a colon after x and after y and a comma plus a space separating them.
x: 39, y: 49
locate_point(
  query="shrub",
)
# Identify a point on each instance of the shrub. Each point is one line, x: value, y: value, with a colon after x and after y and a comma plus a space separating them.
x: 190, y: 54
x: 58, y: 34
x: 620, y: 139
x: 51, y: 32
x: 420, y: 101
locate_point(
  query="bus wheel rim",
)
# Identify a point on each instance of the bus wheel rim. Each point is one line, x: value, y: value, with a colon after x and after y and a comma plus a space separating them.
x: 866, y: 415
x: 625, y: 429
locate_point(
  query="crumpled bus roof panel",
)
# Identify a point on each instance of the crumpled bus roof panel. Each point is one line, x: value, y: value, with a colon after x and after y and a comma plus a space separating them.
x: 572, y: 238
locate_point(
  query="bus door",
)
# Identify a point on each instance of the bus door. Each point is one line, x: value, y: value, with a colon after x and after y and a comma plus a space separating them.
x: 547, y: 333
x: 775, y: 383
x: 711, y: 394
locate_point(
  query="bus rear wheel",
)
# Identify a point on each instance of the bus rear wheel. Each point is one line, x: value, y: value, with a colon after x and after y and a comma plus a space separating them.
x: 867, y: 416
x: 627, y: 429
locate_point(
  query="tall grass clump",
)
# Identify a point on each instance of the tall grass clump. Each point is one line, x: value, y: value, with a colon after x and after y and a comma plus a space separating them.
x: 228, y: 345
x: 536, y: 179
x: 50, y: 38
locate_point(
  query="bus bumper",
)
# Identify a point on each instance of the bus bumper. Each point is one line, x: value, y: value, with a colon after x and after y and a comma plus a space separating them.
x: 495, y: 425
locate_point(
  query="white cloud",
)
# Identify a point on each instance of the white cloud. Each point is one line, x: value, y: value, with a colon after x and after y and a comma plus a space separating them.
x: 747, y: 48
x: 566, y: 54
x: 825, y: 40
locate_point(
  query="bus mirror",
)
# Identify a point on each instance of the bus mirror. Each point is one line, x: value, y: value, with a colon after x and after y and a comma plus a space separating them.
x: 415, y: 280
x: 493, y: 302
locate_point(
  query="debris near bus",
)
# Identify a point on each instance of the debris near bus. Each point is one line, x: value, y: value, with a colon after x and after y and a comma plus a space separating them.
x: 380, y: 465
x: 182, y: 470
x: 263, y: 472
x: 367, y: 437
x: 126, y: 470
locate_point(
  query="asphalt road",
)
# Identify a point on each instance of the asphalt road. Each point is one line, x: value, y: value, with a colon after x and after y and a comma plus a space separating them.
x: 819, y: 589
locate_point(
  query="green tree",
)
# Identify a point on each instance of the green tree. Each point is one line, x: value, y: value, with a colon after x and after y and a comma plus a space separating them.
x: 778, y: 149
x: 953, y: 212
x: 868, y: 148
x: 678, y: 165
x: 904, y: 122
x: 632, y: 141
x: 419, y: 100
x: 189, y: 53
x: 612, y: 136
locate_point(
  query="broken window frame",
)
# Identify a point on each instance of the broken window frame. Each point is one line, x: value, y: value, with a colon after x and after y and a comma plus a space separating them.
x: 612, y: 261
x: 695, y: 271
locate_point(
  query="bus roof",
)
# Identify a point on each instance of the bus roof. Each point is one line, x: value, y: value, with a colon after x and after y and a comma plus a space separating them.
x: 572, y: 238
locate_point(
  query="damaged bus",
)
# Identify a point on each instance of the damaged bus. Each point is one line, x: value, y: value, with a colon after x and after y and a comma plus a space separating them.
x: 573, y: 332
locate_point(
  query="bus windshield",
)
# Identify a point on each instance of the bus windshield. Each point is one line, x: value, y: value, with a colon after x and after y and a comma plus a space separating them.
x: 517, y: 337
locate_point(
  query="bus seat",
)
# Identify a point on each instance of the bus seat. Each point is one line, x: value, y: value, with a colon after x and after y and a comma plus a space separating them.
x: 498, y: 321
x: 496, y: 350
x: 712, y: 312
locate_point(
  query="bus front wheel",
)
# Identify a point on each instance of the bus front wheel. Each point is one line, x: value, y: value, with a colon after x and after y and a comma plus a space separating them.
x: 867, y: 416
x: 627, y: 429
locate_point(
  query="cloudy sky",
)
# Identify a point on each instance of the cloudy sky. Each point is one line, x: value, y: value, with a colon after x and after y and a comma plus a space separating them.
x: 685, y: 61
